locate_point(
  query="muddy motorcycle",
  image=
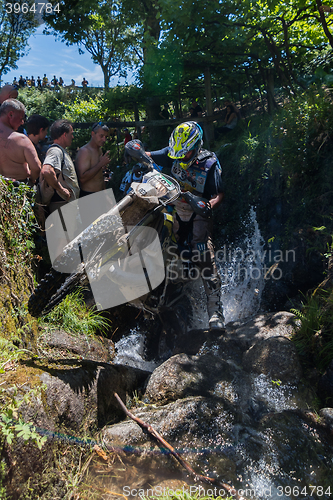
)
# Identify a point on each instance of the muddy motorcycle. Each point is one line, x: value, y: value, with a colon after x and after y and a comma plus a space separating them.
x: 136, y: 223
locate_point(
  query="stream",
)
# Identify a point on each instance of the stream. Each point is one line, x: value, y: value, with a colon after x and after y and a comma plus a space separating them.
x: 255, y: 431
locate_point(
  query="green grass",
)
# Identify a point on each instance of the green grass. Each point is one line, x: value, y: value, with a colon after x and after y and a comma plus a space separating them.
x: 74, y: 316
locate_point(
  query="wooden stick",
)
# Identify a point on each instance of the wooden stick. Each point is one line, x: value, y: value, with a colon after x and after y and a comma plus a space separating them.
x: 178, y: 457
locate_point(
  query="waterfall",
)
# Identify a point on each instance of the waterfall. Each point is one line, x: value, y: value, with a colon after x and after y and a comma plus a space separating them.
x: 241, y: 267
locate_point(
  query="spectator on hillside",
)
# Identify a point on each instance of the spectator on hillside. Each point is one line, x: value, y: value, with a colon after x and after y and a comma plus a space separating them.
x: 90, y: 161
x: 231, y: 119
x: 54, y: 81
x: 195, y: 109
x: 8, y: 92
x: 32, y: 82
x: 164, y: 113
x: 37, y: 127
x: 58, y: 169
x: 18, y: 157
x: 39, y: 82
x: 15, y: 82
x: 45, y: 81
x: 128, y: 136
x: 73, y: 83
x: 61, y: 82
x: 84, y: 83
x: 22, y: 82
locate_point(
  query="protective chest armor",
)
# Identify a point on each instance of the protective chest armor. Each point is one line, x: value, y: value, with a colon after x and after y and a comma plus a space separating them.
x: 194, y: 178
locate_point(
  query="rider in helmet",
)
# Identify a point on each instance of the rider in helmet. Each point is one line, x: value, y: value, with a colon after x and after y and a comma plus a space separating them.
x: 198, y: 171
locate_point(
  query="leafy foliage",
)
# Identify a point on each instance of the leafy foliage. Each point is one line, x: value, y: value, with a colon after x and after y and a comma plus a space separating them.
x: 11, y: 425
x: 15, y: 30
x: 313, y: 336
x: 101, y: 29
x: 17, y: 223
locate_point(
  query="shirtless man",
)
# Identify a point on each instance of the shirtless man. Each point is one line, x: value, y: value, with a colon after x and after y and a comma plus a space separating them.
x: 90, y: 161
x: 18, y: 157
x: 8, y: 92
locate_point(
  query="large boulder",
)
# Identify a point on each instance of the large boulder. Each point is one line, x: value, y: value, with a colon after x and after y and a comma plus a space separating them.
x: 325, y: 385
x: 263, y: 326
x: 92, y: 348
x: 276, y: 357
x: 182, y: 375
x: 196, y: 427
x: 78, y: 395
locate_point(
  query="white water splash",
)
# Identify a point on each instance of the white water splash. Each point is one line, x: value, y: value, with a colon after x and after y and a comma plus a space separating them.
x: 130, y: 351
x: 242, y: 273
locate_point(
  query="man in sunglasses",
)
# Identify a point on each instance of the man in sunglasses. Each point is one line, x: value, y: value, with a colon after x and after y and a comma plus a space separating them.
x: 90, y: 161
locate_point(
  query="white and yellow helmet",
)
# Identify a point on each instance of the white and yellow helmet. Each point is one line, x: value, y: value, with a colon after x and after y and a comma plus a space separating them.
x: 185, y: 138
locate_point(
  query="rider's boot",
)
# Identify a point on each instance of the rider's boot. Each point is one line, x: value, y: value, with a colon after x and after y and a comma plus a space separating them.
x: 214, y: 305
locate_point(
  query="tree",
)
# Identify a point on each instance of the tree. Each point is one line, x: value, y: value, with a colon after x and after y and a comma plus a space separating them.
x: 17, y: 23
x: 101, y: 29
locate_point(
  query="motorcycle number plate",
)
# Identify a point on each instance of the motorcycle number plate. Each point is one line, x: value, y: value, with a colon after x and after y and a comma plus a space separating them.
x: 165, y: 182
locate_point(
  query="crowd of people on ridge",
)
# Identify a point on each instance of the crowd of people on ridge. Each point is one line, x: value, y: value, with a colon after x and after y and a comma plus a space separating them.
x: 40, y: 83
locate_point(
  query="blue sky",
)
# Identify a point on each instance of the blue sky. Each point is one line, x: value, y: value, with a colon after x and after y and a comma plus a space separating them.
x: 47, y: 55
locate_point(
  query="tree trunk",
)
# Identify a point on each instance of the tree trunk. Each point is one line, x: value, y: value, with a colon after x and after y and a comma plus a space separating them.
x: 271, y: 103
x: 208, y: 127
x: 324, y: 24
x: 106, y: 77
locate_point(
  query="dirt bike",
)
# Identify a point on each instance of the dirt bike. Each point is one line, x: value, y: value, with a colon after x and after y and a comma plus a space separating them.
x: 109, y: 240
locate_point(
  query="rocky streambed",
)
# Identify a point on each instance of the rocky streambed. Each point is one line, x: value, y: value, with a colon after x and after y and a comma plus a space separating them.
x: 236, y: 406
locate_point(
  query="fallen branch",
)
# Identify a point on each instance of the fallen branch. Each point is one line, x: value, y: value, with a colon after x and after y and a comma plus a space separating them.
x: 178, y: 457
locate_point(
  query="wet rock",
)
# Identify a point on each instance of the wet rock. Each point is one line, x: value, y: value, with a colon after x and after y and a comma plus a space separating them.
x: 196, y: 427
x: 282, y: 448
x: 85, y: 347
x: 276, y: 357
x: 327, y: 415
x: 78, y: 396
x: 182, y: 375
x: 325, y: 385
x: 263, y: 326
